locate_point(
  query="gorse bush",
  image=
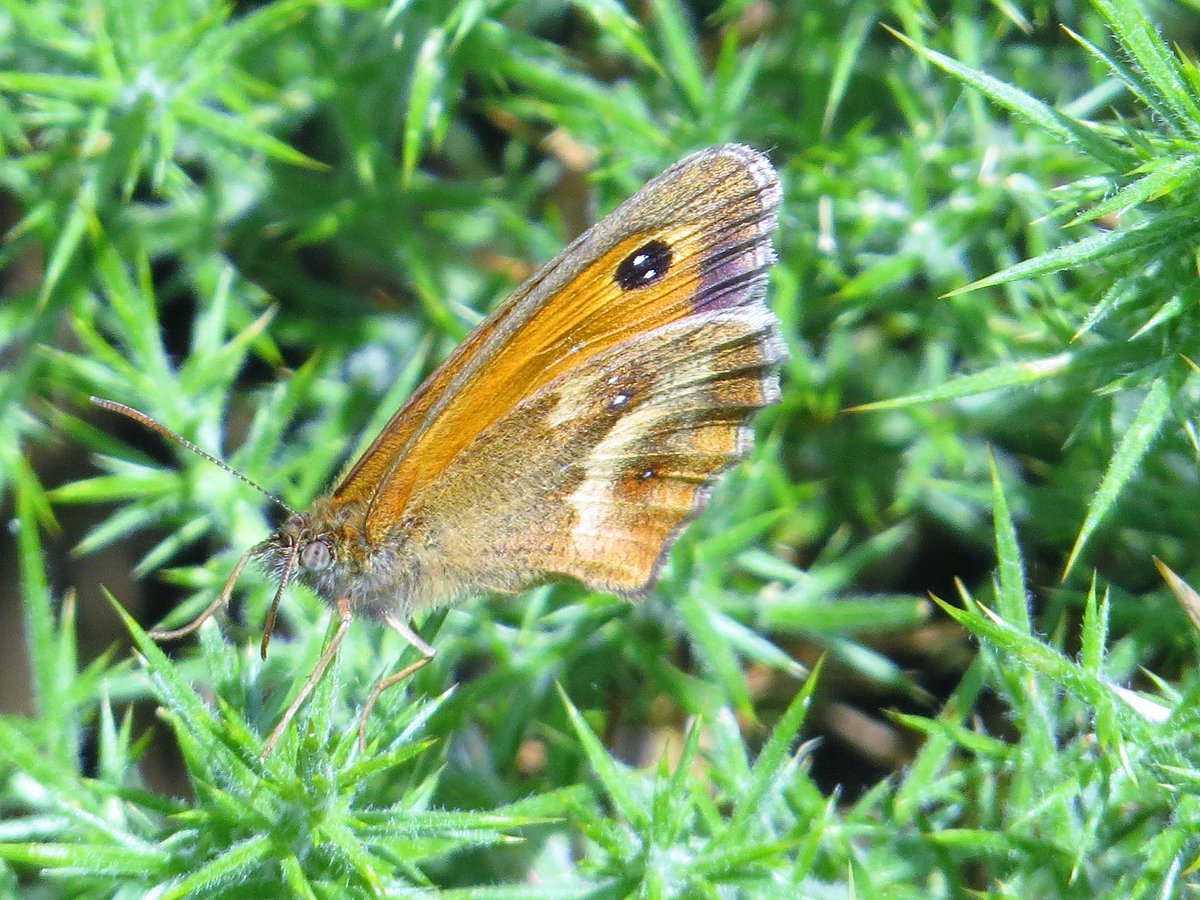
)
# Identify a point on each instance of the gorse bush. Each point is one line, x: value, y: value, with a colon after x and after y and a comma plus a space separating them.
x: 917, y: 644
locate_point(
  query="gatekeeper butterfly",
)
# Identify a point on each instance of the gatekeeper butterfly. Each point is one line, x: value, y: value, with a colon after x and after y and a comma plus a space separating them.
x: 573, y: 433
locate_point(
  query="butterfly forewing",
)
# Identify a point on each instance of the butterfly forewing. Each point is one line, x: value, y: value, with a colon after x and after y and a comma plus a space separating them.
x: 693, y: 241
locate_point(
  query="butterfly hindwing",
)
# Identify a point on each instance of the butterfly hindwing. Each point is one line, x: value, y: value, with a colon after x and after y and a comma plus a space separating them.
x: 594, y: 475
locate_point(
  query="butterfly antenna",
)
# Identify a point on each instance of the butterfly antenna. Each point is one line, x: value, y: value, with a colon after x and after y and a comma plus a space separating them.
x: 143, y: 419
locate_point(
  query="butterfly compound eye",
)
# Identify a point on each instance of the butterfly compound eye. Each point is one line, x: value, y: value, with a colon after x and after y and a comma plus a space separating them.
x: 315, y: 556
x: 644, y: 266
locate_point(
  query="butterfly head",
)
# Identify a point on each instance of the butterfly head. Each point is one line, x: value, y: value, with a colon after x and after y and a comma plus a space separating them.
x: 297, y: 549
x: 323, y: 547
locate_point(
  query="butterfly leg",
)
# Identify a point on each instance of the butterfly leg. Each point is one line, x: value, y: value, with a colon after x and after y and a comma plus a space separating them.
x: 344, y: 619
x: 223, y: 598
x: 427, y: 653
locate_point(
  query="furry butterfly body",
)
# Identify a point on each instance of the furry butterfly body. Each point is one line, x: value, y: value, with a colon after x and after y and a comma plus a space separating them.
x: 575, y: 431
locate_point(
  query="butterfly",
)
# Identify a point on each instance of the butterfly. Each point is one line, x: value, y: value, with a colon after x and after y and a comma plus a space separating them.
x: 572, y: 434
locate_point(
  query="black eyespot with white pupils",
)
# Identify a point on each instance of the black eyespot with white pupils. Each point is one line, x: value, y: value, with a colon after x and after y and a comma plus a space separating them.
x: 315, y: 556
x: 645, y: 265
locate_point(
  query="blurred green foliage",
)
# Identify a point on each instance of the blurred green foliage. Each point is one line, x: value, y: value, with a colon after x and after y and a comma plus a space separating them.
x: 263, y: 223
